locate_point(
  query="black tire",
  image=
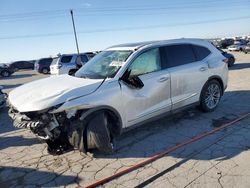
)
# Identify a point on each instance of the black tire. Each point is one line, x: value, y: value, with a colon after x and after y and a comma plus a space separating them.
x: 5, y: 73
x: 98, y: 130
x: 206, y: 102
x: 45, y: 70
x: 231, y: 62
x: 72, y: 72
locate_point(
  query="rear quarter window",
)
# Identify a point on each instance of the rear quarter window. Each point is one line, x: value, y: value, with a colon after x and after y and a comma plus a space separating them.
x: 44, y: 61
x: 66, y: 59
x: 179, y: 54
x: 201, y: 52
x: 84, y: 58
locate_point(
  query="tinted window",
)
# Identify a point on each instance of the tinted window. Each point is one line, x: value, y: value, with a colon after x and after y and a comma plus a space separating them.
x: 91, y: 55
x: 201, y: 52
x: 179, y: 55
x: 44, y: 61
x: 147, y: 62
x: 27, y: 63
x: 66, y: 59
x: 84, y: 58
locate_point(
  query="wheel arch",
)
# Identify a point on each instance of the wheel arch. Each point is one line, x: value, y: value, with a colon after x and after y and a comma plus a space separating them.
x: 218, y: 79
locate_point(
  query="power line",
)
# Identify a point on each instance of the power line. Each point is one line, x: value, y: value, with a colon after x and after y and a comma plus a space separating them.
x: 126, y: 28
x: 131, y: 8
x: 62, y: 15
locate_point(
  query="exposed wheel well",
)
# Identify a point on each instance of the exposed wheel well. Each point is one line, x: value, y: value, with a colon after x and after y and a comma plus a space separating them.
x: 113, y: 117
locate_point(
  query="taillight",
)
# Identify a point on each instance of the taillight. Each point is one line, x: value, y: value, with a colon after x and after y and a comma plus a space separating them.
x: 226, y: 60
x: 59, y: 66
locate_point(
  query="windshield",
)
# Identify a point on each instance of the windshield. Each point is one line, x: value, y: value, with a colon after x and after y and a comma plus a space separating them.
x: 105, y: 64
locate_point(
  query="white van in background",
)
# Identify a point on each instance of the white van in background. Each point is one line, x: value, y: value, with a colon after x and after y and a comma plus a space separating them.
x: 69, y: 63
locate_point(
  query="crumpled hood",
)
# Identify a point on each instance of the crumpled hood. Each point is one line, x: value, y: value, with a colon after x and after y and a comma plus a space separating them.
x: 48, y: 92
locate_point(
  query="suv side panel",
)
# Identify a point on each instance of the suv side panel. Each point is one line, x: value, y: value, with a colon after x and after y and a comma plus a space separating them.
x: 145, y: 103
x: 187, y: 74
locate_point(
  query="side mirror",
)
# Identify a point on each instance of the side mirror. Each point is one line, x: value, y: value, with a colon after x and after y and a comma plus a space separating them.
x: 132, y: 81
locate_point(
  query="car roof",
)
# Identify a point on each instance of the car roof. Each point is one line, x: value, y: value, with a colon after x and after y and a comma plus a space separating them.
x: 82, y: 53
x: 138, y: 45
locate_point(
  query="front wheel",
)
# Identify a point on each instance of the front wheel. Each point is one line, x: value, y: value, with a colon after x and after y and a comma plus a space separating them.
x: 210, y: 96
x: 99, y: 135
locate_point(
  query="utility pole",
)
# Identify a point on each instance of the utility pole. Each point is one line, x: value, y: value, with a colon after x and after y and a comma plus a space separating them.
x: 73, y: 22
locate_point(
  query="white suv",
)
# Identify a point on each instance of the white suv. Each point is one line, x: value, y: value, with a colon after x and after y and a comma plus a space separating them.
x: 123, y: 86
x: 69, y: 63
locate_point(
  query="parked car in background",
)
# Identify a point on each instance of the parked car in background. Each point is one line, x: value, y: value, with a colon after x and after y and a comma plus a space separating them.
x: 43, y: 65
x: 224, y: 43
x: 3, y: 98
x: 247, y: 48
x: 69, y: 63
x: 123, y: 86
x: 236, y: 47
x: 17, y: 65
x: 240, y: 41
x: 6, y: 70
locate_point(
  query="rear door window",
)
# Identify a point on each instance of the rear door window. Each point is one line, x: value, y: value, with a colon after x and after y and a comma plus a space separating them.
x: 84, y: 58
x: 45, y: 61
x: 201, y: 52
x: 66, y: 59
x: 179, y: 54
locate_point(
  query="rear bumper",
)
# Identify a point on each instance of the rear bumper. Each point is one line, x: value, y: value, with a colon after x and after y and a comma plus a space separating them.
x: 55, y: 71
x: 58, y: 71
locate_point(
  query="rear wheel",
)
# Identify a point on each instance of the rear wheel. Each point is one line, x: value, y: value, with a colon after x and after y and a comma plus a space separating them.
x: 210, y: 96
x: 45, y: 71
x: 5, y: 73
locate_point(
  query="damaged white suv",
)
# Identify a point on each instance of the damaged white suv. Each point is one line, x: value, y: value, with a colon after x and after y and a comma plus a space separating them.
x: 122, y: 86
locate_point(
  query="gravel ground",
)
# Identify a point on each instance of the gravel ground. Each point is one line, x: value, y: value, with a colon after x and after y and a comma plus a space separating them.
x: 220, y: 160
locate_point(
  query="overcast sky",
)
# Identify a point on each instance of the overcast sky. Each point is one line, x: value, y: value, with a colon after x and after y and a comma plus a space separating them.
x: 30, y: 29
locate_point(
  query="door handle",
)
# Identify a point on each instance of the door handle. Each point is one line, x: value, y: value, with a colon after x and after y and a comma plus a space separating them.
x: 163, y: 79
x: 203, y: 69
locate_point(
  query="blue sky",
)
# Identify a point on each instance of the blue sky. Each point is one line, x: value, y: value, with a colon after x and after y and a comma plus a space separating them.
x: 30, y: 29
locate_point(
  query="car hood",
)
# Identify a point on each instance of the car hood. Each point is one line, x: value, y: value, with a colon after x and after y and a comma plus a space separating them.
x: 48, y: 92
